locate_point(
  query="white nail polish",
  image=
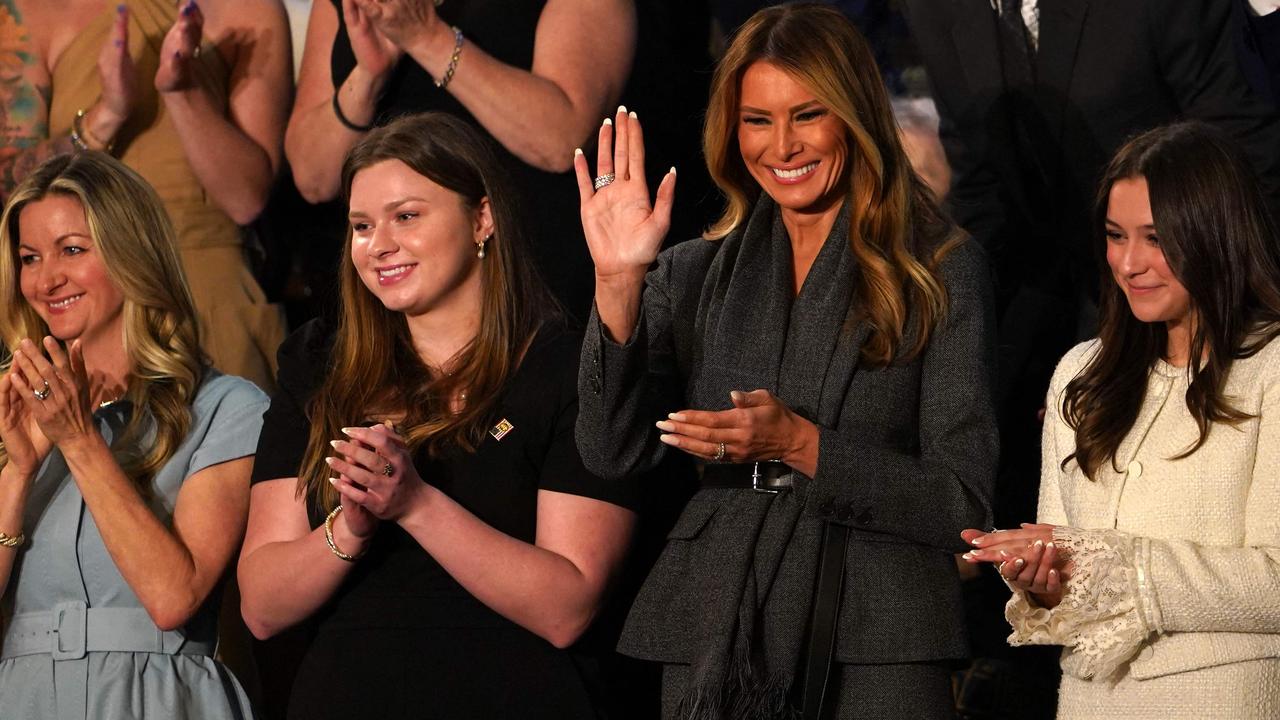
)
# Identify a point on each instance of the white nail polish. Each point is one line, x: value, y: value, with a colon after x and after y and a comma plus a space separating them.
x: 334, y: 444
x: 577, y: 151
x: 622, y: 109
x: 608, y: 121
x: 632, y: 114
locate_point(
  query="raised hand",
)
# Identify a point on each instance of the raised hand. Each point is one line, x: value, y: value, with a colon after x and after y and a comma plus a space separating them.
x: 403, y: 22
x: 376, y: 472
x: 624, y: 231
x: 179, y: 50
x: 55, y: 391
x: 24, y: 442
x: 374, y: 52
x: 118, y: 77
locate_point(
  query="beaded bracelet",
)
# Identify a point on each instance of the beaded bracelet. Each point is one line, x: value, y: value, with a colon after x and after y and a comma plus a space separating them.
x: 12, y: 541
x: 337, y: 111
x: 328, y: 536
x: 443, y: 82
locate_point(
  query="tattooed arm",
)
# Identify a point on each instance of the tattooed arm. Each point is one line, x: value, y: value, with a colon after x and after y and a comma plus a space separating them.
x: 25, y: 91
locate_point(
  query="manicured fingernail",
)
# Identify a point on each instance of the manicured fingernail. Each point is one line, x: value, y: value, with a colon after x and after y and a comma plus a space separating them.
x: 347, y: 431
x: 632, y: 114
x: 975, y: 552
x: 120, y: 8
x: 1053, y: 573
x: 967, y: 556
x: 672, y: 170
x: 669, y: 439
x: 622, y: 109
x: 678, y: 417
x: 665, y: 426
x: 1019, y: 562
x: 976, y: 541
x: 333, y: 482
x: 334, y: 443
x: 118, y: 43
x: 1039, y: 543
x: 1051, y: 545
x: 329, y: 461
x: 608, y: 121
x: 577, y: 151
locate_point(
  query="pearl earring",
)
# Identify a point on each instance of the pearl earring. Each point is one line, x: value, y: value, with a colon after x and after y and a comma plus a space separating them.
x: 480, y: 247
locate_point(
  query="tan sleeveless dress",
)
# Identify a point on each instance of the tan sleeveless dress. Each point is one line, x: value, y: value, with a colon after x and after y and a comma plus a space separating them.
x: 239, y: 329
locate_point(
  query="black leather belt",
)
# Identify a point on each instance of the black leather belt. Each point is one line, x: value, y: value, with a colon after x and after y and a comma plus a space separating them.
x: 770, y: 476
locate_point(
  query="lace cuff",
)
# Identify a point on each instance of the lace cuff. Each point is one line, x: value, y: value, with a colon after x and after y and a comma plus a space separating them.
x: 1107, y: 609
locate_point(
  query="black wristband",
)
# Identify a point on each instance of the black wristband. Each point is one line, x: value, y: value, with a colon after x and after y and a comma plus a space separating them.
x: 337, y: 112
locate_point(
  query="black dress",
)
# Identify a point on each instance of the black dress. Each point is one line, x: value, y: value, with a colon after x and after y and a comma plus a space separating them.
x: 505, y: 29
x: 401, y: 638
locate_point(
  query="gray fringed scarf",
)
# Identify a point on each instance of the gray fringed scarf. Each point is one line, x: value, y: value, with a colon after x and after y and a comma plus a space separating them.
x: 761, y: 550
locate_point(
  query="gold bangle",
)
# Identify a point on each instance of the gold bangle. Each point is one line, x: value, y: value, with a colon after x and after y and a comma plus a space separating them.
x: 12, y: 541
x: 79, y: 134
x: 328, y: 537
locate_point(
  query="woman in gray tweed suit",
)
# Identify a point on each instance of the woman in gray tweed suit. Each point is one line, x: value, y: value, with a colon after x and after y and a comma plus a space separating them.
x: 826, y: 351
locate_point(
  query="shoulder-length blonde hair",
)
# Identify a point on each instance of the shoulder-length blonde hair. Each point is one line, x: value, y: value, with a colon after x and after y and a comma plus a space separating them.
x: 373, y: 368
x: 896, y: 230
x: 136, y: 240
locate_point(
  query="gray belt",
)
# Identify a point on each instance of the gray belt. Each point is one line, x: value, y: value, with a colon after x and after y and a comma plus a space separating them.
x: 70, y: 629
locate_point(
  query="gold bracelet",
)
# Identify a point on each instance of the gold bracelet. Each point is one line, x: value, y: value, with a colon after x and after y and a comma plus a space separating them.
x: 12, y: 541
x: 79, y: 134
x: 443, y: 82
x: 328, y: 537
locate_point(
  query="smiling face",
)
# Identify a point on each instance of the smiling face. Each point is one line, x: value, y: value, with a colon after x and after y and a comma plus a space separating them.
x: 1137, y: 261
x: 414, y: 242
x: 792, y: 144
x: 62, y: 273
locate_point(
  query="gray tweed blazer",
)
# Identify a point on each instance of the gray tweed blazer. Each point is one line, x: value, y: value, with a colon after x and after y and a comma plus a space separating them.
x: 907, y: 453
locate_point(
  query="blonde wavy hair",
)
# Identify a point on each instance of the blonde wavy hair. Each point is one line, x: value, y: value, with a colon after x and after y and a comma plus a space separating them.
x: 161, y: 336
x: 897, y: 232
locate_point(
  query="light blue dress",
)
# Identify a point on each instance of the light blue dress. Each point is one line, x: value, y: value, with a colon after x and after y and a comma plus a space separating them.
x: 78, y: 643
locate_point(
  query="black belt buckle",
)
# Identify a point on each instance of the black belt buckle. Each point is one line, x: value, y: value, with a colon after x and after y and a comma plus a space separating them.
x: 773, y: 478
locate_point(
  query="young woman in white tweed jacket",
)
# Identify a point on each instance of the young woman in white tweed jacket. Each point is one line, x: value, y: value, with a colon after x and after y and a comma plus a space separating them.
x: 1157, y: 560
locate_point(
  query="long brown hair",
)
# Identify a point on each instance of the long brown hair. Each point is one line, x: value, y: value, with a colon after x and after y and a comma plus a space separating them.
x: 373, y: 366
x: 1220, y: 242
x: 896, y: 230
x: 129, y: 226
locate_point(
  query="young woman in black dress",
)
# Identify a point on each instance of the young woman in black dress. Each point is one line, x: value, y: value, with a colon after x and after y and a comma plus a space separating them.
x: 419, y: 493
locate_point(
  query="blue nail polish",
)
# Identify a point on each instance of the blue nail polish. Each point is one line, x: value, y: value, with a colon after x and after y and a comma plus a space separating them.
x: 120, y: 8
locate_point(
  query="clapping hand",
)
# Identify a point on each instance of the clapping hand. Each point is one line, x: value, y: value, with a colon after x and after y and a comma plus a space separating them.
x: 624, y: 232
x: 376, y: 472
x: 25, y: 444
x: 55, y: 391
x: 180, y: 47
x: 118, y: 78
x: 374, y: 52
x: 1027, y: 558
x: 759, y: 427
x: 403, y: 22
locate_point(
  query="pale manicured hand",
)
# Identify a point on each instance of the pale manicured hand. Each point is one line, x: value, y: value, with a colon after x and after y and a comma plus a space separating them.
x: 178, y: 51
x: 117, y: 74
x: 361, y: 477
x: 624, y: 232
x: 759, y: 427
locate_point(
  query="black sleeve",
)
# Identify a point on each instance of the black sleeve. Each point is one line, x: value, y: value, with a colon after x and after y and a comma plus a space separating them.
x: 285, y: 426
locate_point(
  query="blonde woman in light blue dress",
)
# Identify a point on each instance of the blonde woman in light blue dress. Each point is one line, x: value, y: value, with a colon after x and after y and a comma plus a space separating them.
x: 124, y: 459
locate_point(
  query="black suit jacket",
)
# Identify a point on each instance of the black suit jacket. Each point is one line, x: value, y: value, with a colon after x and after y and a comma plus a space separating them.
x: 1106, y: 70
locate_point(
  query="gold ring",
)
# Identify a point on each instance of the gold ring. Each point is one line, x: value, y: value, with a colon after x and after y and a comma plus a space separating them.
x: 388, y: 470
x: 719, y: 452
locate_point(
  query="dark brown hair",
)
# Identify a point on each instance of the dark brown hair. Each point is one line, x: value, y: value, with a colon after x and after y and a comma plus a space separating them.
x: 1220, y: 242
x: 896, y: 231
x: 373, y: 367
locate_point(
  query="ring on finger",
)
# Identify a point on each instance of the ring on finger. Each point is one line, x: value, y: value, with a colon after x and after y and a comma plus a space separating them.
x: 43, y: 393
x: 719, y: 452
x: 388, y: 469
x: 602, y: 180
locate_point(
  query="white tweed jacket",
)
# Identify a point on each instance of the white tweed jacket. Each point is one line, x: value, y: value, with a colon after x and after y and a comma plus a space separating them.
x: 1177, y: 560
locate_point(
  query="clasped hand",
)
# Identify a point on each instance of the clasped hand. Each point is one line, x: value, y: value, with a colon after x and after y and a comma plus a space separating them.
x: 403, y: 22
x: 758, y: 427
x: 375, y: 477
x: 1028, y: 558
